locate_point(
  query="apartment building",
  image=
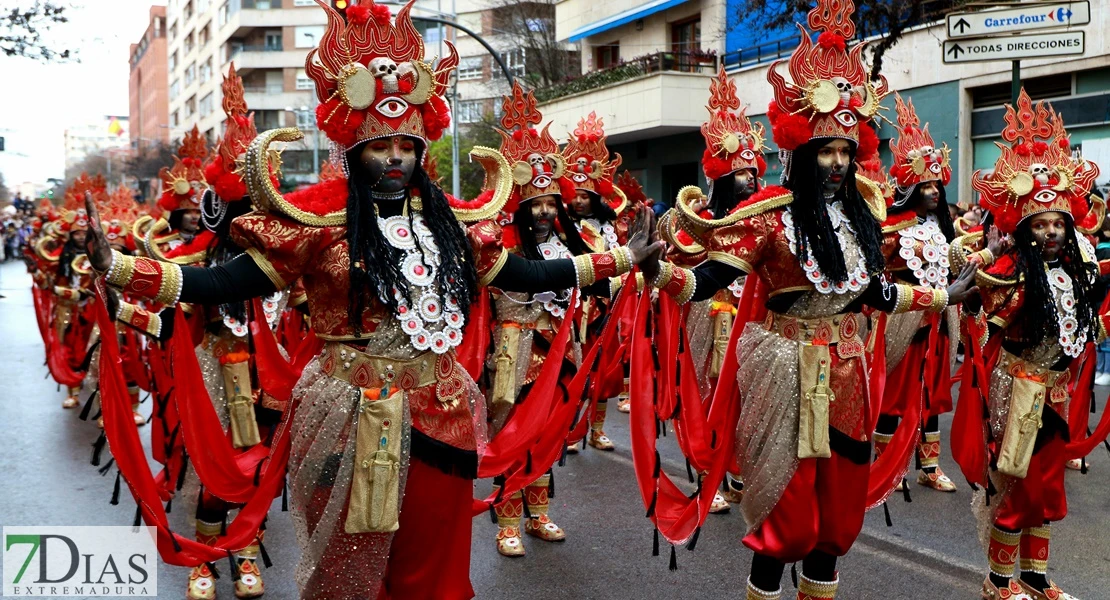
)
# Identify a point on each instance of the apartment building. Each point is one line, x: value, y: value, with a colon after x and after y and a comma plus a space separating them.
x: 148, y: 85
x: 646, y: 69
x: 102, y: 136
x: 268, y: 40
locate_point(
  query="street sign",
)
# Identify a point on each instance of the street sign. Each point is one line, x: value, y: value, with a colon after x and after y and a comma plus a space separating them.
x: 1035, y: 15
x: 1015, y: 47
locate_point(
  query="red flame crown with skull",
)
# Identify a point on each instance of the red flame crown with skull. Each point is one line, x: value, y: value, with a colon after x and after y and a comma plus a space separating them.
x: 372, y: 80
x: 587, y: 157
x: 917, y: 159
x: 830, y: 94
x: 731, y: 142
x: 537, y: 165
x: 184, y: 183
x: 1037, y: 173
x: 222, y: 173
x: 73, y: 215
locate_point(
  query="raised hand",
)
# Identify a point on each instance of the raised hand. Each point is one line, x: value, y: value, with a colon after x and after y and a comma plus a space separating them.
x: 964, y: 286
x: 99, y: 252
x: 997, y: 243
x: 644, y: 245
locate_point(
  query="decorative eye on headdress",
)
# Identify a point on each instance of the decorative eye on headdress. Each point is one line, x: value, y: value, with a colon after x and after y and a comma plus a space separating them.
x: 1045, y: 196
x: 846, y: 118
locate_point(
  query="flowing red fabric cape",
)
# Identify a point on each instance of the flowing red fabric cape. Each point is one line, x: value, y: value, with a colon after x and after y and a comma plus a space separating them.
x: 131, y: 460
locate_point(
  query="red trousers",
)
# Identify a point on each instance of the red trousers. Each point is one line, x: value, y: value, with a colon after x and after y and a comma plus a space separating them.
x: 821, y: 509
x: 1039, y: 497
x: 430, y: 555
x: 905, y: 383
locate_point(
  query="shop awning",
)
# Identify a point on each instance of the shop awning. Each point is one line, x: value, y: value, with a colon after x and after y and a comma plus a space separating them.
x: 621, y: 18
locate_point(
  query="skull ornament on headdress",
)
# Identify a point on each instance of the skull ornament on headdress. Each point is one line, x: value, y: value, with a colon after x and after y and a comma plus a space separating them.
x: 73, y: 216
x: 184, y: 183
x: 223, y: 172
x: 1037, y: 173
x: 587, y: 157
x: 372, y: 80
x: 537, y: 166
x: 831, y: 93
x: 731, y: 142
x: 917, y: 159
x: 118, y: 212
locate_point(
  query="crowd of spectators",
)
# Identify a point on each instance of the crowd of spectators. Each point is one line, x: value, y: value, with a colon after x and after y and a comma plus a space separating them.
x: 15, y: 228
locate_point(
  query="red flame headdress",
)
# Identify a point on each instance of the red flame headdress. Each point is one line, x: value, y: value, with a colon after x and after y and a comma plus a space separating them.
x: 371, y: 78
x: 222, y: 172
x: 537, y: 166
x: 587, y: 157
x: 731, y: 142
x: 831, y: 92
x: 118, y: 212
x: 873, y: 170
x: 632, y: 189
x: 1036, y: 173
x: 184, y: 183
x: 73, y: 215
x: 916, y: 158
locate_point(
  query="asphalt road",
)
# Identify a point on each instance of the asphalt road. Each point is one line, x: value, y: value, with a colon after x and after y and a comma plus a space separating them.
x: 931, y: 551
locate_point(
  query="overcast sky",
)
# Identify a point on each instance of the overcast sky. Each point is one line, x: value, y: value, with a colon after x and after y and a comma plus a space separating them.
x: 38, y: 101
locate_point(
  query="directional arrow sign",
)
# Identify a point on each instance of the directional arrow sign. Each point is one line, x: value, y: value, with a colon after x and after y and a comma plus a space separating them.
x: 1015, y: 47
x: 1034, y: 15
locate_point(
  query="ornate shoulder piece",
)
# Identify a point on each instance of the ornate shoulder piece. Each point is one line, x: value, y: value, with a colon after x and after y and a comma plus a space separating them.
x: 668, y: 230
x: 496, y: 189
x: 872, y: 194
x: 264, y: 194
x: 767, y: 199
x: 900, y: 221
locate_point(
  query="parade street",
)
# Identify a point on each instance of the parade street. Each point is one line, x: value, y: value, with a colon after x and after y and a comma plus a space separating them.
x: 929, y: 552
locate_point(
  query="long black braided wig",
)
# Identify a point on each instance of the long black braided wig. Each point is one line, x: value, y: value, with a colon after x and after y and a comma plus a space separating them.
x: 222, y: 249
x: 599, y: 210
x: 944, y: 217
x: 70, y: 251
x: 1040, y: 319
x: 526, y: 228
x: 722, y: 195
x: 375, y: 268
x: 811, y: 220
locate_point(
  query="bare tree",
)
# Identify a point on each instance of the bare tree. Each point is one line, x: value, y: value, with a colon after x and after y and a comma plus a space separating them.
x: 889, y: 19
x: 531, y: 26
x: 22, y: 28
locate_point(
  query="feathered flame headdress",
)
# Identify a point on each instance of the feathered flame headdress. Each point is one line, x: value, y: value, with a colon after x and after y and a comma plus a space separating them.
x: 831, y: 92
x: 1036, y: 173
x: 873, y: 170
x: 731, y: 142
x: 372, y: 80
x: 916, y: 158
x: 537, y: 166
x: 632, y: 189
x: 183, y: 185
x: 73, y: 215
x: 587, y: 157
x: 118, y: 212
x: 223, y: 172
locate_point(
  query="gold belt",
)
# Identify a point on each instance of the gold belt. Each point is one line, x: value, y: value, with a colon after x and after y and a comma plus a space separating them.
x: 367, y: 371
x: 542, y: 323
x: 841, y: 330
x: 1054, y: 381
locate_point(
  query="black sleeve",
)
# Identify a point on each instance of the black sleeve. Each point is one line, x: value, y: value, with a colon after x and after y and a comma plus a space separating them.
x: 532, y: 276
x: 238, y: 280
x: 711, y: 277
x: 880, y: 294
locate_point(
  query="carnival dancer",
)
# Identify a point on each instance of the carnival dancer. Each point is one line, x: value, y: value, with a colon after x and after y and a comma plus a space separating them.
x: 815, y: 246
x: 525, y: 324
x: 177, y: 234
x: 605, y: 216
x: 919, y: 346
x: 1039, y: 313
x: 390, y: 276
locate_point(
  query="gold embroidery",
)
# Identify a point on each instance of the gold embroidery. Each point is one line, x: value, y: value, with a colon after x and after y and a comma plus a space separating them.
x: 267, y: 268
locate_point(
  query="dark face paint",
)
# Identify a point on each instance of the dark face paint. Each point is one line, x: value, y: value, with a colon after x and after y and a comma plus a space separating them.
x: 743, y: 184
x: 930, y: 196
x: 580, y: 204
x: 190, y: 221
x: 1049, y: 229
x: 833, y: 160
x: 390, y: 162
x: 544, y: 213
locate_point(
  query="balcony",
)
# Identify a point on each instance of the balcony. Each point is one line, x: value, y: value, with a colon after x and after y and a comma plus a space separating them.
x: 248, y: 58
x: 274, y: 97
x: 242, y: 22
x: 643, y: 98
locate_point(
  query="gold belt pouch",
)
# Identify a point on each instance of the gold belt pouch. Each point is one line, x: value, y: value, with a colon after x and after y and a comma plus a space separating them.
x: 504, y: 371
x: 375, y: 501
x: 814, y: 364
x: 240, y: 404
x: 722, y: 329
x: 1027, y: 399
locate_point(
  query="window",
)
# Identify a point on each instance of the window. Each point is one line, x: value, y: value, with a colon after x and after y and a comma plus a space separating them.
x: 514, y: 61
x: 470, y: 68
x: 188, y: 42
x: 273, y: 40
x: 203, y: 37
x: 206, y: 71
x: 174, y: 120
x: 206, y: 105
x: 308, y: 36
x: 173, y: 60
x: 173, y: 32
x: 190, y: 106
x: 304, y: 82
x: 607, y: 55
x: 262, y: 4
x: 306, y: 119
x: 188, y: 10
x: 686, y: 35
x: 1039, y: 88
x: 224, y: 14
x: 472, y: 21
x: 175, y: 89
x: 230, y: 49
x: 190, y: 73
x: 470, y: 111
x: 304, y: 2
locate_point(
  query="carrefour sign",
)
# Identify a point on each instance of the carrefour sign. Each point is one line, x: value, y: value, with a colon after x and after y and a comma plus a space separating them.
x: 1037, y: 15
